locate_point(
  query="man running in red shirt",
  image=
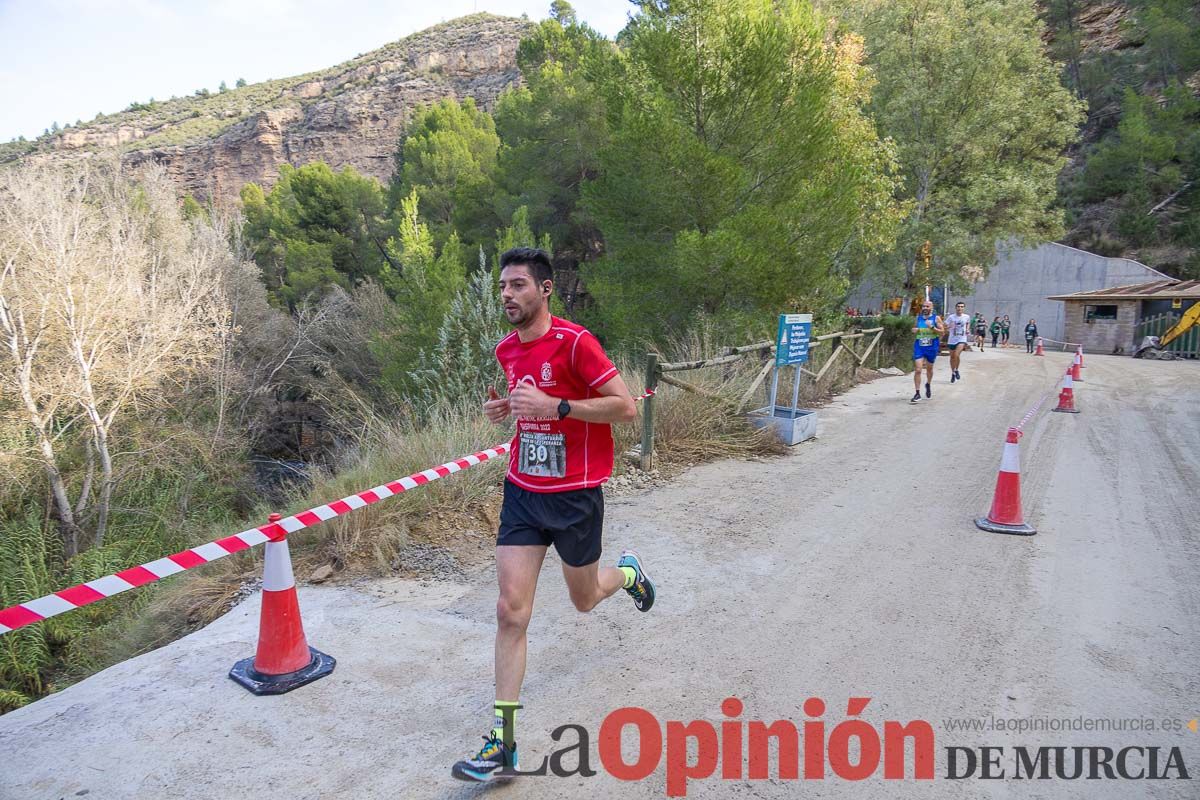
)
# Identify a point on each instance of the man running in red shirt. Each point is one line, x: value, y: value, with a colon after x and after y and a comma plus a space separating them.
x: 564, y: 393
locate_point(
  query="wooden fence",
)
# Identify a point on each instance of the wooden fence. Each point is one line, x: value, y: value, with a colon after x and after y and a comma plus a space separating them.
x: 1186, y: 346
x: 659, y: 371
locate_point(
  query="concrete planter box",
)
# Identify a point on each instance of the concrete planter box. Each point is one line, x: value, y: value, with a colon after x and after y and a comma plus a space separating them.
x: 791, y: 429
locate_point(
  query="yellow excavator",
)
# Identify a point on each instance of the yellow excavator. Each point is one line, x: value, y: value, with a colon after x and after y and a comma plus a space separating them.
x: 1153, y: 347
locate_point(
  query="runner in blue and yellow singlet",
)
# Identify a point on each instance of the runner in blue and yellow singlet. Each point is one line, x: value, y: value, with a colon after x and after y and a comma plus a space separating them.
x: 928, y: 330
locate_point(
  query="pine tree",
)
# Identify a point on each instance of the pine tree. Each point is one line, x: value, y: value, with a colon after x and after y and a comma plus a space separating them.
x: 741, y: 174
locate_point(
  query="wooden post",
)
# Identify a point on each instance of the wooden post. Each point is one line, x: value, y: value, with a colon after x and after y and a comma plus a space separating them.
x: 648, y: 413
x: 691, y: 387
x: 837, y: 350
x: 762, y: 374
x: 870, y: 347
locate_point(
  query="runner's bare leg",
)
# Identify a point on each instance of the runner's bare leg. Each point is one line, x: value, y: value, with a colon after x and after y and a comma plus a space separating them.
x: 918, y: 364
x: 591, y: 583
x: 517, y: 569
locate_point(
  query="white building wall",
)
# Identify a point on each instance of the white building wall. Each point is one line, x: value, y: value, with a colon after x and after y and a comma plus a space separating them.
x: 1021, y: 280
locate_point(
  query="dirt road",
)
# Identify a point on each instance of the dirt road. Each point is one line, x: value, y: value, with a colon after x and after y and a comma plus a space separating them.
x: 850, y: 568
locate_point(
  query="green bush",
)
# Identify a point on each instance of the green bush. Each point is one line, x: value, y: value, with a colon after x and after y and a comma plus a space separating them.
x: 463, y: 361
x: 897, y: 328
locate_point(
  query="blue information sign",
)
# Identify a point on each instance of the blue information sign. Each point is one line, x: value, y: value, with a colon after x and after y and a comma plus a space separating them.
x: 791, y: 343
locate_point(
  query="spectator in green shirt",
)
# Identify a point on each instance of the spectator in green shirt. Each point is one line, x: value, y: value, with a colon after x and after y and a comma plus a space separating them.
x: 995, y: 331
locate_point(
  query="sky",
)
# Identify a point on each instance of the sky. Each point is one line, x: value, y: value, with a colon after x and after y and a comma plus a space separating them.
x: 67, y: 60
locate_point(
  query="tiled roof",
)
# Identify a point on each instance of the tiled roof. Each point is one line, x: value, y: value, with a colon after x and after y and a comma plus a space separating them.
x: 1155, y: 290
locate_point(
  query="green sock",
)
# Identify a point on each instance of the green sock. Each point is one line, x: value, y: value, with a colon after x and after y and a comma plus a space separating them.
x: 506, y: 713
x: 630, y: 576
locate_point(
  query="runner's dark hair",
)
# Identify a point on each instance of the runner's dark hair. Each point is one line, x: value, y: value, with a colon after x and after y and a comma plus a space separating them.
x: 538, y: 262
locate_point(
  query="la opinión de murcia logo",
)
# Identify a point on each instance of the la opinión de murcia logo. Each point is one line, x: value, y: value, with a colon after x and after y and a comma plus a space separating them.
x: 741, y: 749
x: 853, y: 749
x: 1066, y: 763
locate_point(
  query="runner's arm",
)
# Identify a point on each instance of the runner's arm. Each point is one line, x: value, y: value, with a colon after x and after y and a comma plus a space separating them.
x: 614, y: 405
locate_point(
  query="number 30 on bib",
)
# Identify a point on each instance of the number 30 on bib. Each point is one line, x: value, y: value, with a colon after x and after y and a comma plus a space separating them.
x: 542, y: 455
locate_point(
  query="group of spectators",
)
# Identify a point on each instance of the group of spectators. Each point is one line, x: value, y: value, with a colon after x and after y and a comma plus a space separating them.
x: 999, y: 329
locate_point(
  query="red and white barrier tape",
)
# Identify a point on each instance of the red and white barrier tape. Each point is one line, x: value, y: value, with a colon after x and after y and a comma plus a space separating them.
x: 1065, y: 345
x: 1030, y: 414
x: 32, y: 611
x: 51, y: 605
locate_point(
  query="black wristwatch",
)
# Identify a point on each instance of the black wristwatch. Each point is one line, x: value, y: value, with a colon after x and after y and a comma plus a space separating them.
x: 564, y: 408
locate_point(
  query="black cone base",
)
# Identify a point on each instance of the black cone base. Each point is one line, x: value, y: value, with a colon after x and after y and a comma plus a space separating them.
x: 244, y: 673
x: 985, y: 524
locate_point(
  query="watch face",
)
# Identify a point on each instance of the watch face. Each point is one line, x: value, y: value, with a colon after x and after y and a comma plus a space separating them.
x: 564, y: 408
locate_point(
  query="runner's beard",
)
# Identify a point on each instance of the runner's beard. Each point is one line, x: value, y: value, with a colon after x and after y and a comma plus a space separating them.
x: 516, y: 316
x: 519, y: 316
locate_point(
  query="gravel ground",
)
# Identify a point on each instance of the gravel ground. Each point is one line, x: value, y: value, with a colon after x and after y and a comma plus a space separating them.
x: 849, y: 568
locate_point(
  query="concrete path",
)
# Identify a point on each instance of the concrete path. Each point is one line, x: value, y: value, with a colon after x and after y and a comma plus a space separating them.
x: 850, y: 568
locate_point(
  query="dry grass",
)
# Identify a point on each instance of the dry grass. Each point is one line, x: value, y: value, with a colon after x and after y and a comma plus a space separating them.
x: 373, y: 537
x: 690, y: 427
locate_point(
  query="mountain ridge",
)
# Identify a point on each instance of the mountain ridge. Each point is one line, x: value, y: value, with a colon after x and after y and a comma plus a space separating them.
x: 350, y: 114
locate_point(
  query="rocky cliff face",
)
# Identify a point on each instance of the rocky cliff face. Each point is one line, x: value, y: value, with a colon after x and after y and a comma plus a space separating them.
x: 352, y: 114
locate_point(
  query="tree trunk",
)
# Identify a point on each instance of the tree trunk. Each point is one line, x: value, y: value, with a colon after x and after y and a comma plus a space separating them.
x: 924, y: 179
x: 86, y: 491
x: 106, y: 484
x: 67, y: 528
x: 40, y: 422
x: 100, y: 424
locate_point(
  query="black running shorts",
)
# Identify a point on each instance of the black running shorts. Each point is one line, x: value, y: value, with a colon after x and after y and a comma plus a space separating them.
x: 571, y: 521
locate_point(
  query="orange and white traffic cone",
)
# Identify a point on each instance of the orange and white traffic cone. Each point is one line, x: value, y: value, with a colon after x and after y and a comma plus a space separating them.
x: 1005, y: 516
x: 1066, y: 398
x: 284, y: 660
x: 1079, y: 352
x: 1039, y: 351
x: 1076, y: 365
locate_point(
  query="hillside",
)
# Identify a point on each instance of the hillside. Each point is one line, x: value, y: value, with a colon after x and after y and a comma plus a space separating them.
x: 1130, y: 188
x: 349, y: 114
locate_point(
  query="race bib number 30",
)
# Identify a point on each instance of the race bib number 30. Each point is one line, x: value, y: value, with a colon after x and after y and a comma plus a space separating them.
x: 543, y: 455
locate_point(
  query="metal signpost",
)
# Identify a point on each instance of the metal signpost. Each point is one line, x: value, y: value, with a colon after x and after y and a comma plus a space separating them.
x: 791, y: 349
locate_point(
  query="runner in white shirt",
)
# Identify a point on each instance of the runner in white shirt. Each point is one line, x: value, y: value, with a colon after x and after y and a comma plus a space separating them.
x: 959, y: 326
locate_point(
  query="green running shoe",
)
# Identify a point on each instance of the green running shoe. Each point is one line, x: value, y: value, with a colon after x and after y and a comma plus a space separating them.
x: 642, y: 590
x: 494, y: 760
